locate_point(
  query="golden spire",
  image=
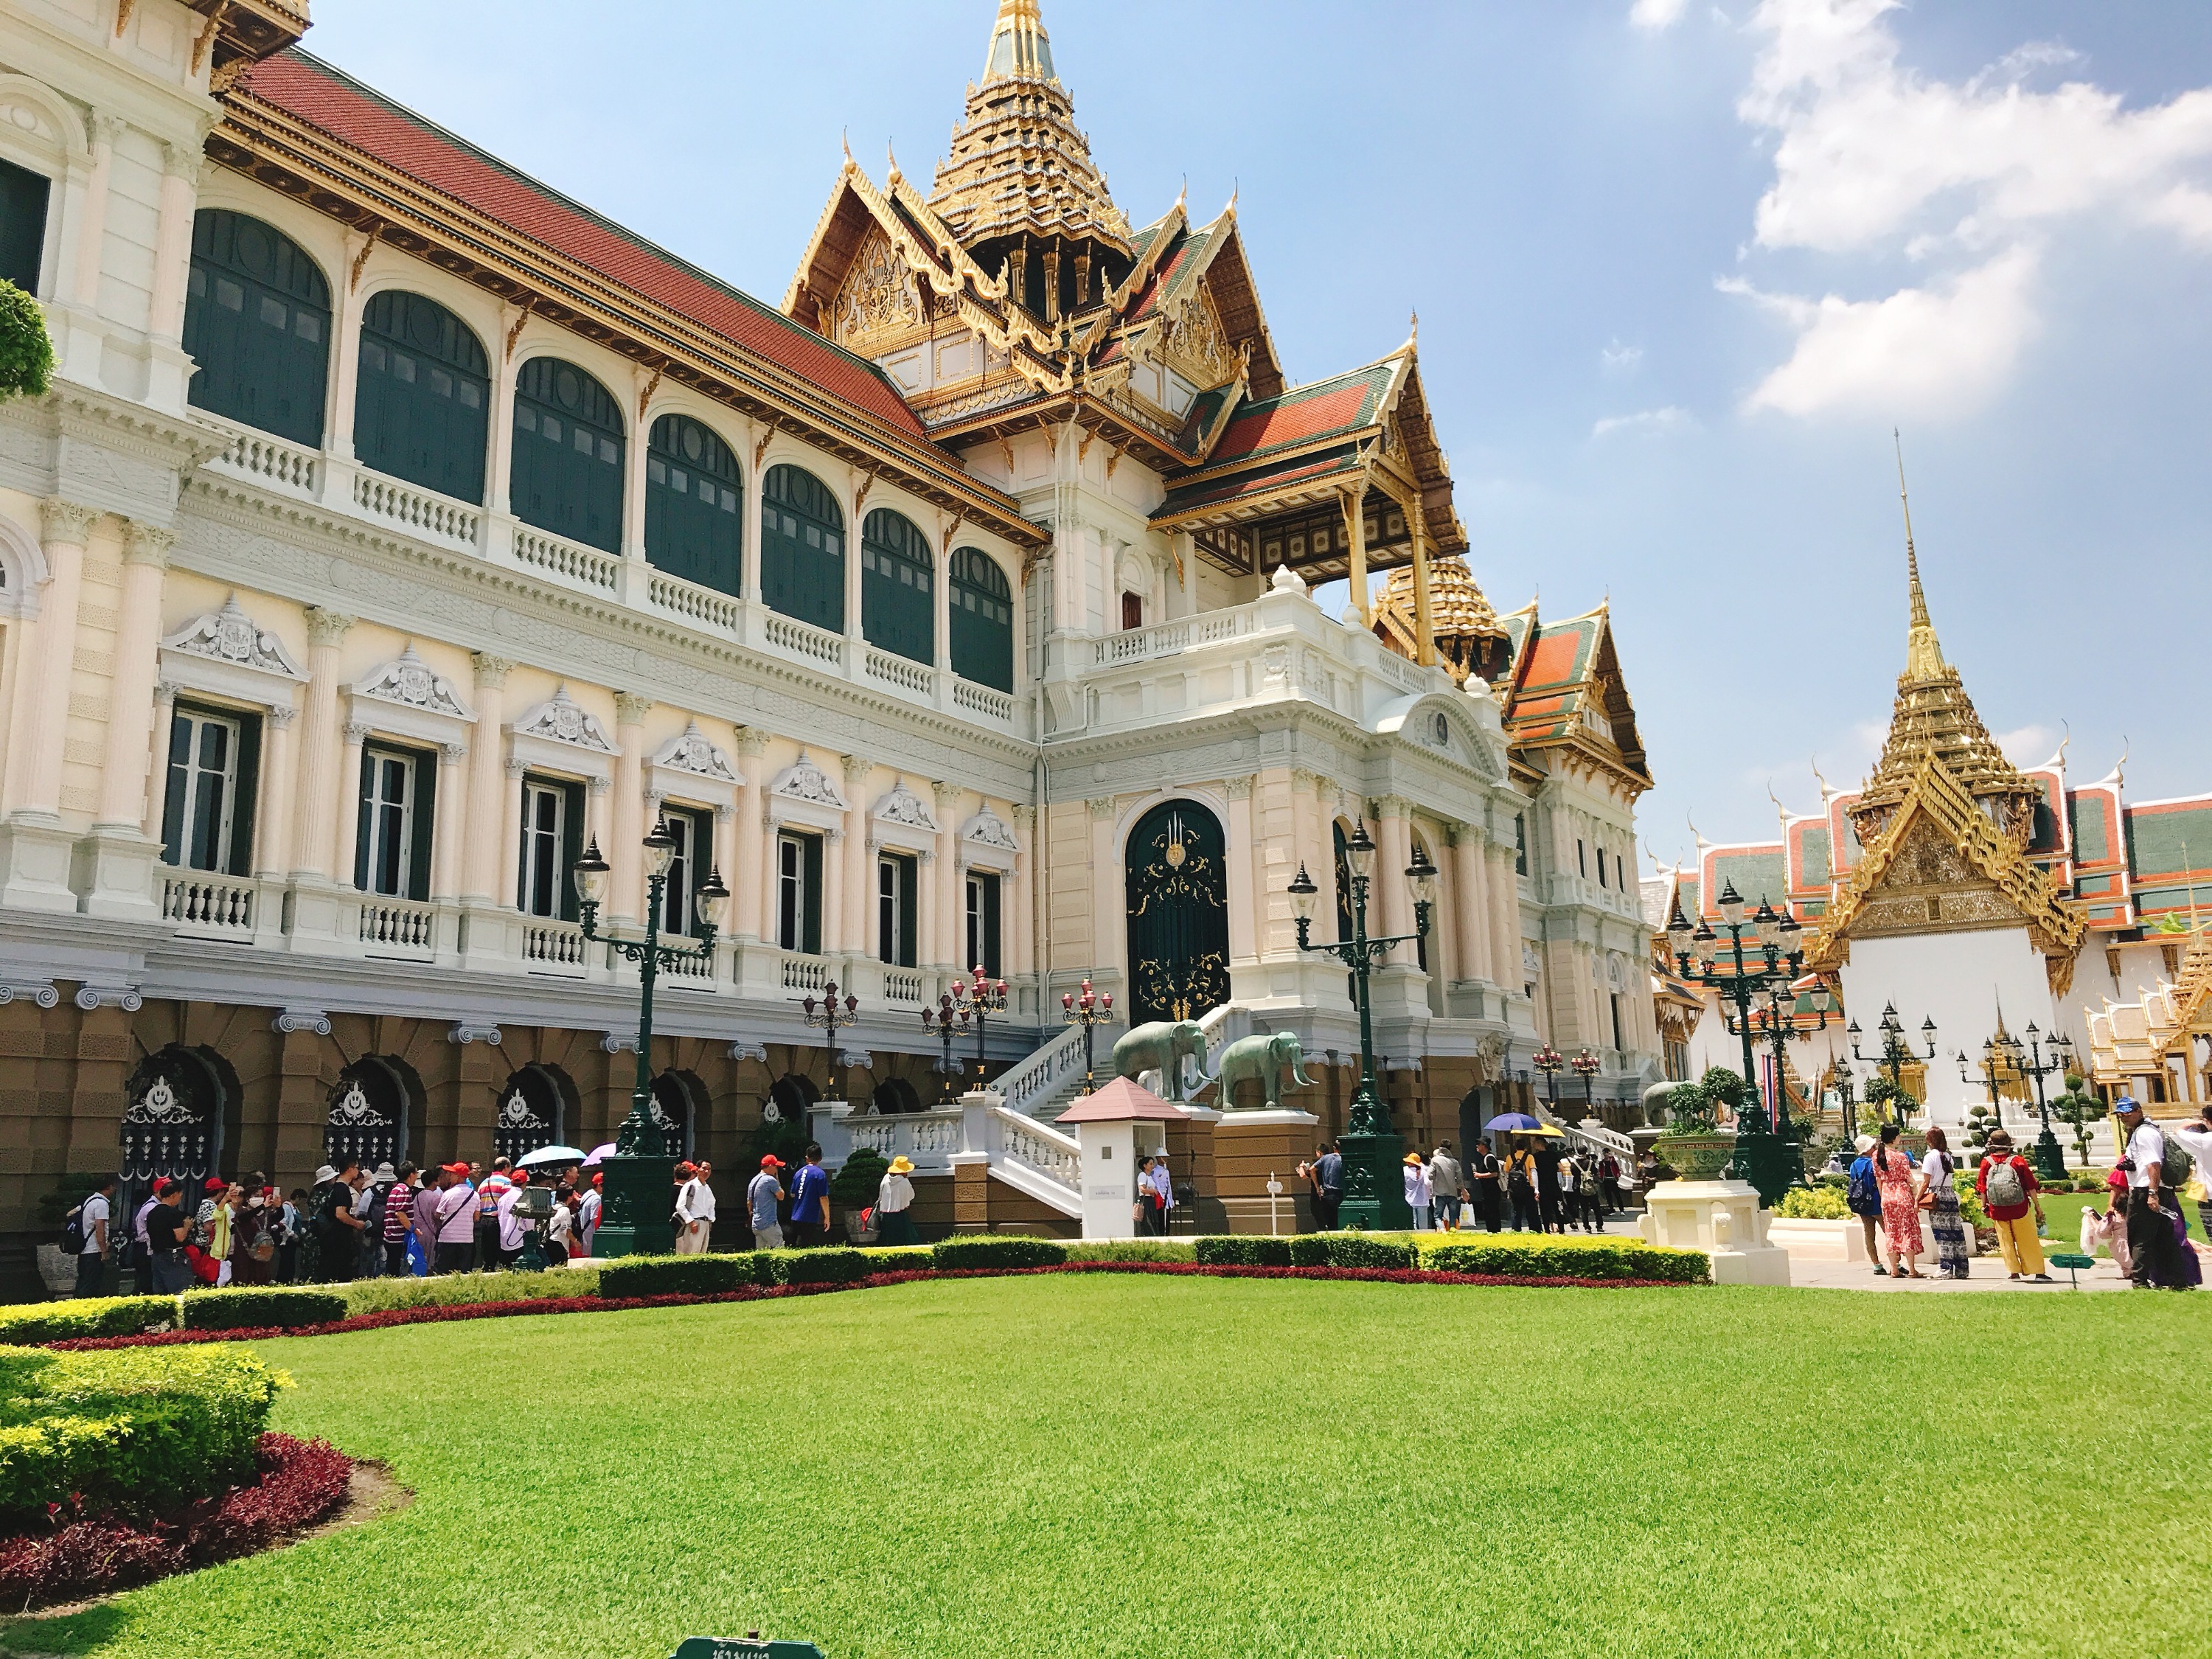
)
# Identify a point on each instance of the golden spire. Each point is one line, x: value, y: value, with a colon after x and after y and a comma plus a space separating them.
x: 1020, y: 49
x: 1923, y: 656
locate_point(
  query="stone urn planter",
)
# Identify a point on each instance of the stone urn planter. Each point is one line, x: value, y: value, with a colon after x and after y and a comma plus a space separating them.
x: 1695, y: 1156
x: 58, y: 1270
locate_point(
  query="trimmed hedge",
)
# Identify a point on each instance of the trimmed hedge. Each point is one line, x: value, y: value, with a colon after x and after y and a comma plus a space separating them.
x: 899, y: 1258
x: 1352, y: 1250
x: 997, y: 1250
x: 262, y: 1307
x: 1133, y: 1249
x: 93, y: 1316
x: 1243, y: 1251
x: 124, y: 1430
x: 367, y: 1295
x: 1570, y: 1258
x: 675, y: 1275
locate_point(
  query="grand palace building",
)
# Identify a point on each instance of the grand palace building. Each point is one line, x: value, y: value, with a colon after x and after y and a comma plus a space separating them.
x: 397, y: 528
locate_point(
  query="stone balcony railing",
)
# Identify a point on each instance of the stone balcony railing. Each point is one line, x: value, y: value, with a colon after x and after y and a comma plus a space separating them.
x: 344, y: 487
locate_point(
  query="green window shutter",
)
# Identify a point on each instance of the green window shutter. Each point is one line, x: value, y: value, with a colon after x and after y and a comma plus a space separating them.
x: 257, y: 323
x: 425, y: 821
x: 898, y: 610
x: 811, y: 897
x: 422, y: 411
x: 248, y: 795
x: 568, y: 455
x: 365, y: 807
x: 990, y: 947
x: 802, y: 551
x: 694, y: 505
x: 982, y: 620
x: 23, y: 196
x: 572, y: 848
x: 175, y: 790
x: 910, y: 893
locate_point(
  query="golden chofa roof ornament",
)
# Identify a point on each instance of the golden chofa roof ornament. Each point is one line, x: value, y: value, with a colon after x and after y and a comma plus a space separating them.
x: 1469, y: 638
x: 1934, y: 718
x: 1020, y: 166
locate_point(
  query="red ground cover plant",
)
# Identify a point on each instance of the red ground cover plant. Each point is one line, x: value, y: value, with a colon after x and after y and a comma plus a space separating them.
x: 567, y: 1304
x: 77, y: 1556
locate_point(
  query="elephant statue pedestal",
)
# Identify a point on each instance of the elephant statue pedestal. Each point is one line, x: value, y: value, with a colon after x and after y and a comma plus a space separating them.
x: 1250, y: 1147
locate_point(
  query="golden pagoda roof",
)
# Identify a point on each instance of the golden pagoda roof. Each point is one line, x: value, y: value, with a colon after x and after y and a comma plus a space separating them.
x: 1934, y: 718
x: 1462, y: 618
x: 1019, y: 162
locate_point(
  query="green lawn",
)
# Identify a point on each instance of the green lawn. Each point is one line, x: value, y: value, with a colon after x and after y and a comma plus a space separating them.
x: 1117, y: 1465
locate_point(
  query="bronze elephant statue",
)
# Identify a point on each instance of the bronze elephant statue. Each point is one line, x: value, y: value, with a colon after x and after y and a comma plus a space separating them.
x: 1263, y: 1057
x: 1161, y: 1045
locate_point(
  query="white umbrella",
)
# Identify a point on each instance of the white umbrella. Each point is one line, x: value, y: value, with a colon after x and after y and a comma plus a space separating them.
x: 598, y: 1153
x: 554, y: 1158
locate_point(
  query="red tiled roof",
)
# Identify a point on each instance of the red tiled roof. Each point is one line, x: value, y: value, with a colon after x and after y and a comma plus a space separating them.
x: 1243, y: 484
x: 1552, y: 661
x: 325, y: 97
x: 1341, y: 404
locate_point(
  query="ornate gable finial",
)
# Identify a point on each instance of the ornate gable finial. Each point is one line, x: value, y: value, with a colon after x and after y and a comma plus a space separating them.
x: 563, y: 719
x: 804, y: 780
x: 692, y: 750
x: 902, y: 805
x: 413, y: 684
x: 232, y: 637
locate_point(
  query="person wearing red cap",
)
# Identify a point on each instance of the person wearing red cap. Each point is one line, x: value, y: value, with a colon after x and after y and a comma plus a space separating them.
x: 762, y: 1194
x: 587, y: 1213
x: 695, y: 1210
x: 456, y: 1219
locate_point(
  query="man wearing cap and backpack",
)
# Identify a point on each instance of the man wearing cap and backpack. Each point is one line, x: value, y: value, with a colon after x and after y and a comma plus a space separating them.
x: 762, y: 1194
x: 84, y: 1235
x: 2153, y: 1202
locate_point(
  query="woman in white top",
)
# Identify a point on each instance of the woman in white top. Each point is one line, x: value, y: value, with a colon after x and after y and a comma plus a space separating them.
x: 1418, y: 1192
x: 1940, y: 1198
x: 895, y: 1205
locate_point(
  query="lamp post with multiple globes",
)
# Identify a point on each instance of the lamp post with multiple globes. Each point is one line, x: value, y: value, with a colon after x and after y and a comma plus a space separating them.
x: 638, y: 1177
x: 1372, y: 1149
x: 1090, y: 1010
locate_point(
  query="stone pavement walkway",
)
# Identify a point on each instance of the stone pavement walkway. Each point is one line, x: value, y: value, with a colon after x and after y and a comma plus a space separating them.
x: 1988, y: 1274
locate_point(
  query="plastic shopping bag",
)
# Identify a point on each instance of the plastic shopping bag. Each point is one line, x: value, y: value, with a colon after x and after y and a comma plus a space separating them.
x: 416, y: 1263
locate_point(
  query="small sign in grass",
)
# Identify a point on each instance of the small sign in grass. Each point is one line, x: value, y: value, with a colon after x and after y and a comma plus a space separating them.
x: 2072, y: 1264
x: 749, y: 1646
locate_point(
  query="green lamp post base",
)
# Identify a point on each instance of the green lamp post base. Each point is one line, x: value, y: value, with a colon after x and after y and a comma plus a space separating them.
x: 1374, y: 1180
x: 637, y: 1206
x: 2049, y: 1157
x: 1764, y: 1159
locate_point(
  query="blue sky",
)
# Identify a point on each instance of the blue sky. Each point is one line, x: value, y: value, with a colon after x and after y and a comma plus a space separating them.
x: 1679, y: 266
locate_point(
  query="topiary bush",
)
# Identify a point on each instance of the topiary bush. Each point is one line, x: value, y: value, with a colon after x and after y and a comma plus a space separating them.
x: 1821, y: 1203
x: 1133, y: 1249
x: 858, y: 1179
x: 675, y: 1275
x: 985, y: 1251
x: 129, y: 1428
x: 1570, y: 1258
x: 282, y: 1308
x: 27, y: 355
x: 94, y: 1316
x: 458, y: 1290
x: 1350, y: 1250
x: 1242, y: 1250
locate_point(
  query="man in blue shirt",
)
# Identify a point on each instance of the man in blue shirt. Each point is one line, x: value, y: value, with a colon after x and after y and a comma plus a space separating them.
x: 1328, y: 1187
x: 1862, y: 1195
x: 810, y: 1202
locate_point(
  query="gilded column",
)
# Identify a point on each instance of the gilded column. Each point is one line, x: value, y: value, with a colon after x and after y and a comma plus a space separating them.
x: 751, y: 864
x: 131, y: 691
x: 628, y: 829
x: 448, y: 850
x: 64, y: 527
x: 316, y: 799
x: 489, y: 830
x: 343, y: 861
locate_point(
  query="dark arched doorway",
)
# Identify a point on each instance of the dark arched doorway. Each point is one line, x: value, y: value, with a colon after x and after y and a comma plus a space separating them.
x: 172, y: 1125
x: 676, y: 1103
x: 367, y: 1123
x: 1176, y: 885
x: 532, y: 1108
x: 895, y: 1094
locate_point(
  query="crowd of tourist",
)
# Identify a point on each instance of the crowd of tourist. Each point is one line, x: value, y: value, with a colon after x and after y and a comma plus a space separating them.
x: 1548, y: 1187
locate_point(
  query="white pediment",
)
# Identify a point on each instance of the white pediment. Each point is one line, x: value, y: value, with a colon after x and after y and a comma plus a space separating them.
x: 561, y: 719
x: 900, y: 806
x: 691, y: 750
x: 803, y: 781
x: 409, y: 682
x: 226, y: 653
x: 987, y: 841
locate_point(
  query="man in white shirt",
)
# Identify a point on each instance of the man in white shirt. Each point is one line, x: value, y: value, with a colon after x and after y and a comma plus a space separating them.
x: 91, y: 1259
x: 2197, y: 1137
x: 695, y: 1210
x: 2151, y: 1204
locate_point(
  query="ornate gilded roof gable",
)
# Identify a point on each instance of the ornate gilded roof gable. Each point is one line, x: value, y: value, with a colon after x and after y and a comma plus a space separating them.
x: 1937, y: 813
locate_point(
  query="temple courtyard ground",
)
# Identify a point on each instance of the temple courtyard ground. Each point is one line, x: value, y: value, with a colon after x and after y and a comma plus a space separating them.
x: 1107, y: 1465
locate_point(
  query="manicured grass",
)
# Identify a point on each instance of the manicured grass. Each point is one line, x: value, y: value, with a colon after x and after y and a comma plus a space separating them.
x: 1106, y: 1465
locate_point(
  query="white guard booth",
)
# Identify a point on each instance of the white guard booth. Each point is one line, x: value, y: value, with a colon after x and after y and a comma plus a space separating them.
x: 1118, y: 1126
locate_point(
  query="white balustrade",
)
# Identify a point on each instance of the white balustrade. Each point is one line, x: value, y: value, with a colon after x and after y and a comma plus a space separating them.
x: 692, y: 602
x: 986, y: 703
x: 901, y: 673
x: 1024, y: 1140
x: 1031, y: 1083
x: 804, y: 973
x: 271, y: 460
x: 395, y: 928
x: 691, y: 969
x: 803, y: 638
x: 587, y: 565
x: 417, y: 510
x: 903, y: 986
x: 555, y: 947
x: 211, y: 906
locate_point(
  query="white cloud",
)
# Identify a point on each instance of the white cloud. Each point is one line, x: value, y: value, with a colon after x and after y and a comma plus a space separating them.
x: 1649, y: 422
x: 1657, y: 15
x: 2031, y: 746
x: 1615, y: 358
x: 1922, y: 351
x: 1967, y: 178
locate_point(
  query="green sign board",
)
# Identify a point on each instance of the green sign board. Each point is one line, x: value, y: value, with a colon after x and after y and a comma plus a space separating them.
x: 745, y: 1647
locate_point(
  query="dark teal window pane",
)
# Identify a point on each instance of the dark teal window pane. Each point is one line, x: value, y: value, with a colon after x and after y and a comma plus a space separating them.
x: 23, y: 196
x: 424, y: 410
x: 802, y: 549
x: 982, y: 624
x: 568, y: 455
x: 694, y: 505
x: 257, y: 323
x: 897, y: 608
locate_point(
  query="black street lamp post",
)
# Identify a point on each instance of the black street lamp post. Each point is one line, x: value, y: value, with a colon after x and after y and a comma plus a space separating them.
x: 942, y: 1024
x: 1764, y: 950
x: 977, y: 1003
x: 1586, y: 1067
x: 1372, y: 1148
x: 833, y: 1018
x: 1089, y: 1011
x: 1550, y: 1061
x: 2050, y: 1157
x: 1897, y: 1051
x: 1776, y: 1022
x: 635, y: 1216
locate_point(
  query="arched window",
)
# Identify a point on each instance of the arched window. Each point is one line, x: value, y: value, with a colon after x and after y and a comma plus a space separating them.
x: 802, y: 549
x: 423, y: 411
x: 982, y: 624
x: 897, y: 613
x: 258, y: 323
x: 693, y: 497
x: 568, y: 455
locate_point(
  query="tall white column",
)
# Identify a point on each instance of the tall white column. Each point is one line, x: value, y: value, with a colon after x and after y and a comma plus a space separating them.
x: 491, y: 828
x: 320, y: 788
x: 835, y: 845
x: 1019, y: 910
x: 349, y: 805
x: 275, y: 825
x: 628, y: 828
x: 750, y: 510
x: 345, y: 352
x: 510, y: 845
x: 726, y: 843
x: 165, y: 715
x: 1386, y: 893
x: 1470, y: 903
x: 502, y: 418
x: 1108, y: 938
x: 940, y: 611
x: 943, y: 937
x: 853, y: 589
x: 596, y: 827
x: 1244, y: 942
x: 65, y: 528
x: 859, y: 860
x: 447, y: 849
x: 173, y: 242
x: 91, y: 216
x: 130, y: 690
x: 751, y: 863
x: 1505, y: 920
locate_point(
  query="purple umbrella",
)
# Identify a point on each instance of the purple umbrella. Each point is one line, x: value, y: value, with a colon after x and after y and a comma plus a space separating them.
x: 597, y: 1153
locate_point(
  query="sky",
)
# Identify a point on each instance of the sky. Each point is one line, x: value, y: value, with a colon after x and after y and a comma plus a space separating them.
x: 1682, y: 269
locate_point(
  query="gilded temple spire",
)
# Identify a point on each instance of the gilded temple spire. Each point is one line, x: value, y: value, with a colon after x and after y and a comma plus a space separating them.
x: 1020, y: 49
x: 1923, y: 655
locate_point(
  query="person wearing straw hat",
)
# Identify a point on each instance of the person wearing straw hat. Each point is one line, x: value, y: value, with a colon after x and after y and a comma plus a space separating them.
x: 1420, y: 1197
x: 894, y: 1204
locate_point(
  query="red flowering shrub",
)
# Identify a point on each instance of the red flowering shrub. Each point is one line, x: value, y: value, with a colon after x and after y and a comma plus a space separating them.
x: 297, y: 1483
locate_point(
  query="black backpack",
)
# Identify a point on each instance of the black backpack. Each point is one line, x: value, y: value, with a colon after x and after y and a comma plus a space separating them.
x: 73, y: 1232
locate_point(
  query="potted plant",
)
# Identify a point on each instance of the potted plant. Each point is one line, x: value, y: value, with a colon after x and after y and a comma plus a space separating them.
x: 1694, y: 1146
x: 853, y: 1188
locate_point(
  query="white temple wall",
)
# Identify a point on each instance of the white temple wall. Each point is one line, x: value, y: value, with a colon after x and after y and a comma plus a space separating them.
x: 1958, y: 981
